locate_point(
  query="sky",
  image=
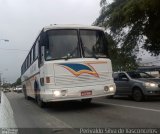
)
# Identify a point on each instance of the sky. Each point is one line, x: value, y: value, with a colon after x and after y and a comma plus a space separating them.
x: 22, y: 20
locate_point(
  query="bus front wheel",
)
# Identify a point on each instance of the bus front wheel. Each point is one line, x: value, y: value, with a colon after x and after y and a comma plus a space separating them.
x: 39, y: 101
x: 25, y: 94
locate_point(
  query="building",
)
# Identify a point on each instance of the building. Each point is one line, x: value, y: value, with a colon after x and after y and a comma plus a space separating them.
x: 153, y: 70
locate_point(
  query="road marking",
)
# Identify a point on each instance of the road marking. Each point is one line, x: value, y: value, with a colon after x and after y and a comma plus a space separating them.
x: 31, y: 105
x: 126, y: 106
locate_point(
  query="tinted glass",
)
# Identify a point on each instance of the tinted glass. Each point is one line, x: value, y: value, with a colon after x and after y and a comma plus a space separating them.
x: 93, y: 42
x: 62, y: 43
x: 122, y: 76
x: 36, y: 48
x: 136, y: 75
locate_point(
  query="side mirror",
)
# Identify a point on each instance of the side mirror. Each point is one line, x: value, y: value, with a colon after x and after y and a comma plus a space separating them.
x: 43, y: 39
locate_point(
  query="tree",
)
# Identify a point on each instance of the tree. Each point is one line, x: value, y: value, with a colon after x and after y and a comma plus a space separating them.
x: 134, y: 23
x: 121, y: 60
x: 17, y: 83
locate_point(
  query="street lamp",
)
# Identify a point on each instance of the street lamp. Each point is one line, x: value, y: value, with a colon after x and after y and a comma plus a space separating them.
x: 5, y: 40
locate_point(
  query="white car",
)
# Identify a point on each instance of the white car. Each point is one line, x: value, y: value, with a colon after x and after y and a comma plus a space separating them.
x: 18, y: 89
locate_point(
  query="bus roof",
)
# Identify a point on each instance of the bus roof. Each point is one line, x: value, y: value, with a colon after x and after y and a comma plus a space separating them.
x: 72, y: 26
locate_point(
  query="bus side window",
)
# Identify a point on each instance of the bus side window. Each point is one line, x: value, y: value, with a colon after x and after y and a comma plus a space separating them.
x: 36, y: 49
x: 43, y: 41
x: 41, y: 53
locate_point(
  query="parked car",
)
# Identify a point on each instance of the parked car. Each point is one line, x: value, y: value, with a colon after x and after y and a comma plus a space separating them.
x: 6, y: 90
x: 139, y: 85
x: 18, y: 89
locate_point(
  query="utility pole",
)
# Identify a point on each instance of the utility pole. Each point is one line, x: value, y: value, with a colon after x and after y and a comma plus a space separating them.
x: 0, y: 79
x: 0, y: 86
x: 5, y: 40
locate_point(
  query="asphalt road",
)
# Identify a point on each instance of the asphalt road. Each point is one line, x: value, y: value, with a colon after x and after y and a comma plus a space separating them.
x: 120, y: 112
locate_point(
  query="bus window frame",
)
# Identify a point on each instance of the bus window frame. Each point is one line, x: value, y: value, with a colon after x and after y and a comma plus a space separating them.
x: 104, y: 40
x: 78, y: 46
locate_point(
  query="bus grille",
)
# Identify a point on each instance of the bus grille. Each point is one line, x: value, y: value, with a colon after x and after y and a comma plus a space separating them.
x: 83, y: 80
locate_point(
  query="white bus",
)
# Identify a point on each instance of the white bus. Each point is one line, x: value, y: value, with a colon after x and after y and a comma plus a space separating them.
x: 68, y: 62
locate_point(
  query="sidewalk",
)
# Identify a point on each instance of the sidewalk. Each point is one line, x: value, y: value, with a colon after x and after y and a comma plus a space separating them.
x: 6, y: 113
x: 0, y: 109
x: 0, y: 117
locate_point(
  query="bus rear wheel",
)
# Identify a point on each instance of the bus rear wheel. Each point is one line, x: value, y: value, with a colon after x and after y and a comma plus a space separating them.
x: 86, y: 101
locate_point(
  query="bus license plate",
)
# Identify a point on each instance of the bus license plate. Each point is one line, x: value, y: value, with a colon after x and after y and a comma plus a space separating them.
x: 86, y: 93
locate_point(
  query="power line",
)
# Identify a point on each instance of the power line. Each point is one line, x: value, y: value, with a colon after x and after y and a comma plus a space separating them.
x: 22, y: 50
x: 150, y: 62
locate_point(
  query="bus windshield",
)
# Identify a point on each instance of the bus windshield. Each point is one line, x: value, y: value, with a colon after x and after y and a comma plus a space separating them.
x: 62, y: 43
x: 93, y: 43
x: 66, y: 43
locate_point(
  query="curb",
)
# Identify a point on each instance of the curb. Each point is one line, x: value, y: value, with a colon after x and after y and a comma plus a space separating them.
x: 6, y: 113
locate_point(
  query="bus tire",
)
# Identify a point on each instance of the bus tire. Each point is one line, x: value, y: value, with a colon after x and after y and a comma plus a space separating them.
x: 87, y: 101
x: 40, y: 101
x: 25, y: 93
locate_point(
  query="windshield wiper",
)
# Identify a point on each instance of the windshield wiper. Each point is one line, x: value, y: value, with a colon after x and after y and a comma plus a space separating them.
x: 90, y: 52
x: 87, y: 50
x: 69, y: 55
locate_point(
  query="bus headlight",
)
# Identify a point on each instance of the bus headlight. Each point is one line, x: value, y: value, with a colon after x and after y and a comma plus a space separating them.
x: 57, y: 93
x: 61, y: 93
x: 109, y: 88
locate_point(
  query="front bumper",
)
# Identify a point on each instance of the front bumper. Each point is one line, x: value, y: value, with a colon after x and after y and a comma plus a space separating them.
x: 152, y: 91
x: 75, y: 93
